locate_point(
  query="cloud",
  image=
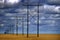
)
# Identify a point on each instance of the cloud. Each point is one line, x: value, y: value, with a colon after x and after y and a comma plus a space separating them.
x: 10, y: 14
x: 50, y: 8
x: 22, y: 11
x: 55, y: 2
x: 57, y: 9
x: 1, y: 25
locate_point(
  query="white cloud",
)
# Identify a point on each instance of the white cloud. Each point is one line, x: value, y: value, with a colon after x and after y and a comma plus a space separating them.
x: 42, y: 17
x: 23, y: 11
x: 9, y: 14
x: 50, y: 8
x: 1, y: 25
x: 13, y: 1
x: 57, y: 9
x: 12, y: 18
x: 39, y: 22
x: 54, y: 1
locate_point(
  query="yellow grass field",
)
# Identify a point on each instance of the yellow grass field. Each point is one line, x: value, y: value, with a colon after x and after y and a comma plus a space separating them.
x: 31, y: 37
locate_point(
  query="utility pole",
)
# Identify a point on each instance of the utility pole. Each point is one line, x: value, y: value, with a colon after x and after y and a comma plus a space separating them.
x: 27, y: 18
x: 16, y: 25
x: 22, y: 25
x: 38, y: 20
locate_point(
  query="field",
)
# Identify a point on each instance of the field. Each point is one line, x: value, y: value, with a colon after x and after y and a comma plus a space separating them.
x: 31, y: 37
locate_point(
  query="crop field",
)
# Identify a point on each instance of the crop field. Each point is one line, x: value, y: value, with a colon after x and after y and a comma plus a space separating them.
x: 31, y: 37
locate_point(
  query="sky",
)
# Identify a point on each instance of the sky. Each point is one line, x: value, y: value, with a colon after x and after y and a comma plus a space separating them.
x: 49, y: 17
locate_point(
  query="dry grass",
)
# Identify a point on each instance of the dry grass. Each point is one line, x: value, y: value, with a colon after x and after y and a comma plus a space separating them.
x: 31, y: 37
